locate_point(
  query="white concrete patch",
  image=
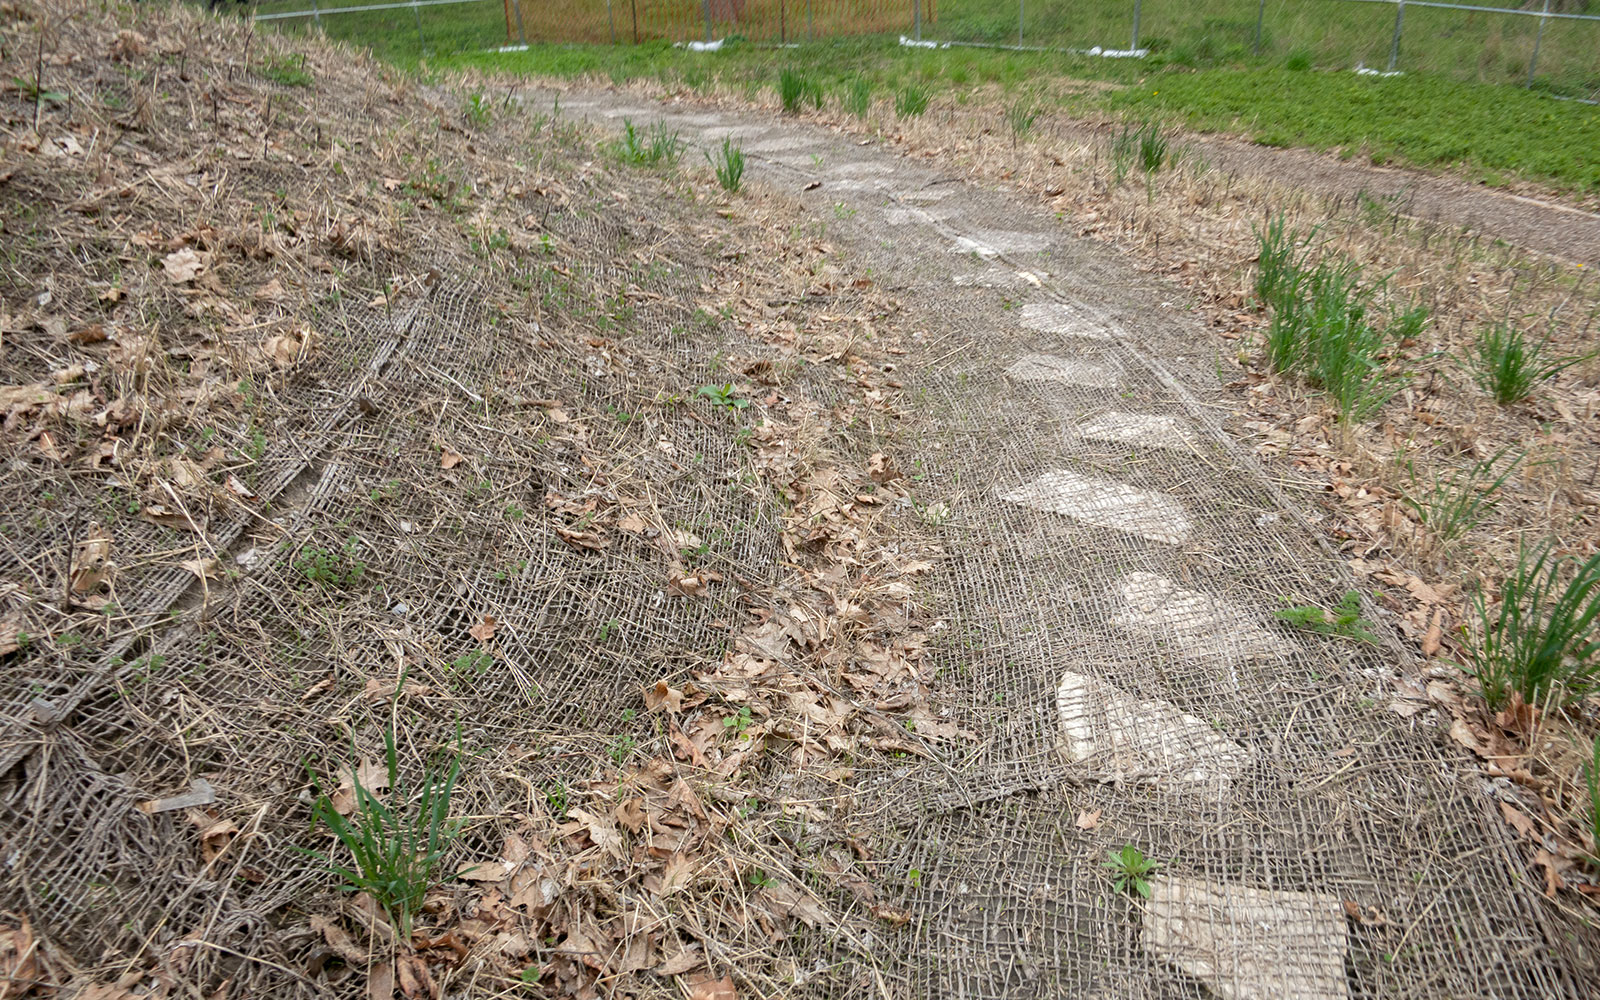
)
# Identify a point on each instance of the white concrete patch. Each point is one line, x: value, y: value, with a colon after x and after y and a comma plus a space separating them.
x: 636, y: 114
x: 1058, y: 317
x: 924, y: 196
x: 717, y: 133
x: 1196, y: 625
x: 923, y: 216
x: 1106, y: 503
x: 858, y: 184
x: 986, y: 279
x: 781, y: 144
x: 860, y: 169
x: 1118, y: 737
x: 1007, y: 241
x: 1148, y: 430
x: 1052, y: 368
x: 963, y: 245
x: 1249, y: 944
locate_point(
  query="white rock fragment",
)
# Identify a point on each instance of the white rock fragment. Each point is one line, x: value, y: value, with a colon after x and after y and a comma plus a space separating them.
x: 1148, y: 430
x: 1196, y: 625
x: 781, y: 144
x: 1118, y: 737
x: 1053, y: 368
x: 860, y: 168
x: 1106, y: 503
x: 1249, y: 944
x: 990, y: 245
x: 1058, y: 317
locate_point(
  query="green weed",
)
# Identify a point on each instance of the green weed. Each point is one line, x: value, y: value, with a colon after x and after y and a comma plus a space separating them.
x: 722, y: 395
x: 1508, y: 367
x: 477, y: 110
x: 1021, y: 116
x: 1451, y: 505
x: 1130, y: 870
x: 396, y: 842
x: 288, y: 70
x: 857, y: 99
x: 340, y: 567
x: 729, y: 165
x: 1539, y: 639
x: 1282, y: 254
x: 1346, y: 622
x: 656, y: 147
x: 796, y: 88
x: 739, y: 722
x: 1321, y: 325
x: 910, y: 101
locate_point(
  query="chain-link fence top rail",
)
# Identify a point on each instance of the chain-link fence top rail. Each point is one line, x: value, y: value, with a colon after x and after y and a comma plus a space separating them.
x: 1112, y: 564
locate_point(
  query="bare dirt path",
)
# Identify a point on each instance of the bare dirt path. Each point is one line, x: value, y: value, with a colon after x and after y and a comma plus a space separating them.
x: 1530, y: 223
x: 1112, y: 562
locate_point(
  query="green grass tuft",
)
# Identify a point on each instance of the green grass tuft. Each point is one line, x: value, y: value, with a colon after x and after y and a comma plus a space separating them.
x: 910, y: 101
x: 729, y: 165
x: 857, y: 97
x: 396, y: 841
x: 1508, y: 367
x: 1539, y: 640
x: 656, y: 147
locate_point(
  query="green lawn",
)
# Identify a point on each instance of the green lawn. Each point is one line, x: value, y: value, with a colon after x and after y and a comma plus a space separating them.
x: 1489, y: 130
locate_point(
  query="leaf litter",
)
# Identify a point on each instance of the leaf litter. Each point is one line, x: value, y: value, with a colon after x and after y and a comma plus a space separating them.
x: 182, y: 393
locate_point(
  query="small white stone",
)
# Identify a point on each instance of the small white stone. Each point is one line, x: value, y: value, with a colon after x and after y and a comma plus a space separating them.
x: 1118, y: 737
x: 1053, y: 368
x: 1058, y: 317
x: 1149, y: 430
x: 1249, y: 944
x: 1106, y: 503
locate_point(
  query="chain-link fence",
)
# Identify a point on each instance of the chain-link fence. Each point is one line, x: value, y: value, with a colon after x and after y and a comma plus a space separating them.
x: 1549, y: 43
x: 1556, y: 41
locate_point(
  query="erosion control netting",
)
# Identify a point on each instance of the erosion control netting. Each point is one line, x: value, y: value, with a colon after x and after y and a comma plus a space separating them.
x: 1113, y: 563
x: 477, y: 497
x: 483, y: 478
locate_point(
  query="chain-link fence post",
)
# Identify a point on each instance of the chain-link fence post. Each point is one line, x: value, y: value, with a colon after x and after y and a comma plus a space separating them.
x: 810, y: 34
x: 316, y: 15
x: 916, y: 19
x: 1399, y: 21
x: 1261, y: 13
x: 1021, y: 11
x: 416, y: 14
x: 611, y: 23
x: 1538, y: 40
x: 705, y: 5
x: 1136, y: 5
x: 522, y: 36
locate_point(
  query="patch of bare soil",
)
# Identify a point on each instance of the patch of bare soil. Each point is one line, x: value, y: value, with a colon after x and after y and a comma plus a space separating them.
x: 1531, y: 221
